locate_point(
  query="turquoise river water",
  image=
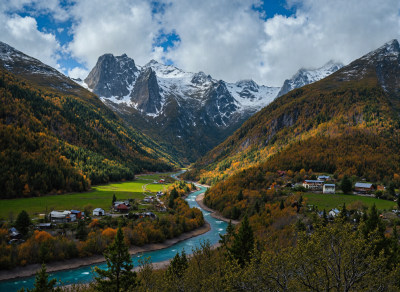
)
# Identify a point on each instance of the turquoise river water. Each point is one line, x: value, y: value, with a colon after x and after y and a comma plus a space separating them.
x: 85, y: 275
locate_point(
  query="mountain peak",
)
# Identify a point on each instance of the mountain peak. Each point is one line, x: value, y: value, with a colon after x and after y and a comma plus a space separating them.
x: 152, y: 63
x: 306, y: 76
x: 390, y: 49
x: 112, y: 76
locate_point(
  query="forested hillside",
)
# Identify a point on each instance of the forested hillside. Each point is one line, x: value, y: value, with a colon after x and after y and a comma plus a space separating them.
x: 55, y: 142
x: 347, y: 123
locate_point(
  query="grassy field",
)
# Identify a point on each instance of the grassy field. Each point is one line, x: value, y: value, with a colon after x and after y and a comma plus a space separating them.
x: 100, y: 196
x: 328, y: 201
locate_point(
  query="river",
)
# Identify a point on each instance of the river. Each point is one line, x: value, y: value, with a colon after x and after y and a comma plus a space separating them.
x: 85, y: 275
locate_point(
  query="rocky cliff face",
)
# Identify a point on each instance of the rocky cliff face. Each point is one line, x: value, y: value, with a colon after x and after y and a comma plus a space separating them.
x: 176, y: 107
x: 113, y: 76
x: 146, y: 93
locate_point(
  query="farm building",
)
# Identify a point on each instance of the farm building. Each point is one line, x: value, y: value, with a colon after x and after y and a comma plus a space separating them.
x: 315, y: 185
x: 324, y: 177
x: 328, y: 189
x: 333, y: 213
x: 14, y: 233
x: 77, y: 213
x: 363, y: 188
x: 122, y: 208
x: 62, y: 216
x: 98, y: 212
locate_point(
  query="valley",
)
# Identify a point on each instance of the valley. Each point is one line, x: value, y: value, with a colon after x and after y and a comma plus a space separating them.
x: 294, y: 167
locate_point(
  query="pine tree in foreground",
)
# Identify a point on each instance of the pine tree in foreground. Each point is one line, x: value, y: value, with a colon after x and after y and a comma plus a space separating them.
x: 243, y: 243
x: 119, y: 275
x: 42, y: 283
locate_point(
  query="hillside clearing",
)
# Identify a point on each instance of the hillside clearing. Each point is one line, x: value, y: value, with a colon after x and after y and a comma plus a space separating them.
x: 328, y: 201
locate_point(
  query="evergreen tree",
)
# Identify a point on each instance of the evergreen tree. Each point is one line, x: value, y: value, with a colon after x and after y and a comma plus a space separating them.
x: 391, y: 189
x: 172, y: 196
x: 282, y: 205
x: 395, y: 248
x: 343, y: 213
x: 226, y: 238
x: 114, y: 199
x: 324, y: 218
x: 372, y: 221
x: 243, y: 243
x: 81, y: 231
x: 346, y: 185
x: 118, y: 275
x: 240, y: 195
x: 42, y: 283
x: 23, y: 222
x: 177, y: 266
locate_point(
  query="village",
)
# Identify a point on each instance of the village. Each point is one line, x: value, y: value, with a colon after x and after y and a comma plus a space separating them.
x: 329, y: 193
x: 65, y: 222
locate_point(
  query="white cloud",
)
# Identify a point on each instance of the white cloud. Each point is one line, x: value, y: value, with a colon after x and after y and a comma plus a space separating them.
x: 36, y: 7
x: 78, y: 72
x: 322, y: 30
x: 113, y: 26
x: 224, y: 38
x: 23, y: 34
x: 229, y: 41
x: 221, y: 38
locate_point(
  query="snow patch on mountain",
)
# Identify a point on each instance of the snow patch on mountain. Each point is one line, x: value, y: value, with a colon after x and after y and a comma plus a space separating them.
x: 307, y: 76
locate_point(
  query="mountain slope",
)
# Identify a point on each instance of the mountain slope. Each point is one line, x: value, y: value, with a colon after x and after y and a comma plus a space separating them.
x: 308, y: 76
x: 57, y: 136
x: 187, y: 112
x: 346, y: 123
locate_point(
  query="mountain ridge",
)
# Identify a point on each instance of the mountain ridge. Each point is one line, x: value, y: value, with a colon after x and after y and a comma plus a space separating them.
x: 185, y: 106
x: 344, y: 104
x: 60, y: 137
x: 307, y: 76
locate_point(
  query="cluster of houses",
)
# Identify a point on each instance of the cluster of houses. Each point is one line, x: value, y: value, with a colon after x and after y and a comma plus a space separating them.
x: 320, y: 185
x: 159, y: 204
x: 144, y: 215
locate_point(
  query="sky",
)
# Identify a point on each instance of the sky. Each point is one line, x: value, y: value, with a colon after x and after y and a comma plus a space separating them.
x: 267, y: 41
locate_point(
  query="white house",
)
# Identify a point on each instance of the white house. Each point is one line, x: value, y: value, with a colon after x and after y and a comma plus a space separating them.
x: 61, y: 217
x: 315, y: 185
x: 98, y: 212
x: 333, y: 213
x: 328, y: 189
x: 324, y: 177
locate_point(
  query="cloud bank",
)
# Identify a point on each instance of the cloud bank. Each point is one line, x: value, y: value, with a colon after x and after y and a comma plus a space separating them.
x: 228, y: 39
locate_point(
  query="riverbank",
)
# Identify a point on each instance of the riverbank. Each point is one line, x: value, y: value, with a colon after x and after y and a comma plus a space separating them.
x: 30, y: 270
x: 214, y: 213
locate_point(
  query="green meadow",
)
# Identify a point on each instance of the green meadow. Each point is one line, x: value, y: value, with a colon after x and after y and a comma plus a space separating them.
x: 99, y: 197
x: 329, y: 201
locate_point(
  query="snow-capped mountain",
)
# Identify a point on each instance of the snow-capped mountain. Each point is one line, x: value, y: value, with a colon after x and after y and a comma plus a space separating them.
x: 384, y: 61
x: 307, y: 76
x: 171, y: 104
x: 116, y: 79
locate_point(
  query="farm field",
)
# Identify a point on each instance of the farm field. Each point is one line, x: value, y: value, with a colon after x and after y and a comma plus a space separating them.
x: 100, y: 196
x: 329, y: 201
